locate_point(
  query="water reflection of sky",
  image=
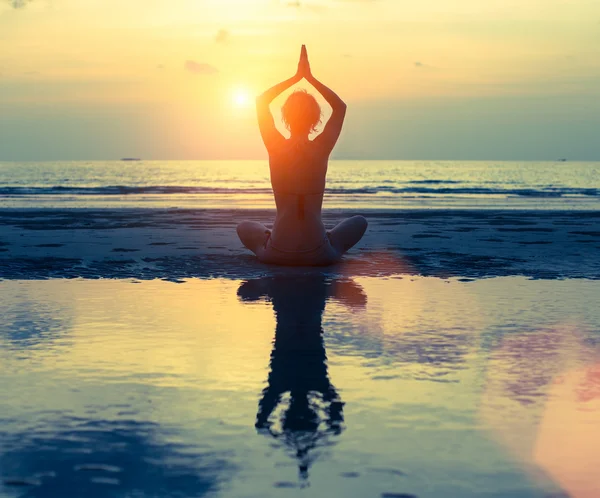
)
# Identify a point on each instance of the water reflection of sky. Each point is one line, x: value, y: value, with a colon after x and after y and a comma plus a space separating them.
x: 77, y: 456
x: 356, y: 388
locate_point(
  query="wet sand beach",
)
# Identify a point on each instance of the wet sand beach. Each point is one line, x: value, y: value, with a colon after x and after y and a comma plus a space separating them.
x: 176, y: 243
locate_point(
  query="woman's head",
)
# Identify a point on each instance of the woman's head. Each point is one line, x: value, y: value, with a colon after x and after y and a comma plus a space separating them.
x: 301, y: 112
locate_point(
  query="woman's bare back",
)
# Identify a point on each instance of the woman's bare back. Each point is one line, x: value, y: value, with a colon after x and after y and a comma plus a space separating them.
x: 298, y: 171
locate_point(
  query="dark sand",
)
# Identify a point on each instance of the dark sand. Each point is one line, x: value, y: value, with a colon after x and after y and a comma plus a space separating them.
x: 176, y: 244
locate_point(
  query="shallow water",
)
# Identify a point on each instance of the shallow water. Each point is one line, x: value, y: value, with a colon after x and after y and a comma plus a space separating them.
x: 350, y: 184
x: 373, y: 387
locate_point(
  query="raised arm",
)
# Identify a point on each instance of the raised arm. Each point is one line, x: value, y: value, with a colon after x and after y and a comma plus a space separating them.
x: 331, y: 133
x: 271, y: 136
x: 266, y: 123
x: 268, y: 131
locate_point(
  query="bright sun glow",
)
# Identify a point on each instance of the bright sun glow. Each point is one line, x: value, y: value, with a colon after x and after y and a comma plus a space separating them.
x: 241, y: 98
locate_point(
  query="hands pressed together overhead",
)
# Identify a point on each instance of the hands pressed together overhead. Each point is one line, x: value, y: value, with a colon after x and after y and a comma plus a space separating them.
x: 303, y: 65
x: 265, y: 118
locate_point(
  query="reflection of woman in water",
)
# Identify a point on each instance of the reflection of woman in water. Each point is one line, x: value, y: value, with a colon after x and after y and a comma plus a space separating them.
x: 299, y: 362
x: 298, y: 168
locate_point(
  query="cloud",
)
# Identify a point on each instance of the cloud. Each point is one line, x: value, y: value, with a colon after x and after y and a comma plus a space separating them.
x: 18, y: 4
x: 222, y: 36
x: 160, y: 66
x: 199, y: 67
x: 314, y: 6
x: 425, y: 67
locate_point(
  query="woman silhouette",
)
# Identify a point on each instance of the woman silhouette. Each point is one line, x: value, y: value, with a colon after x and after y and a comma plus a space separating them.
x: 298, y: 168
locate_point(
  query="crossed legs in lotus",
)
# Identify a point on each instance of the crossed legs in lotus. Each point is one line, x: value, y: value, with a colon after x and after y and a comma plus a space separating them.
x: 343, y: 236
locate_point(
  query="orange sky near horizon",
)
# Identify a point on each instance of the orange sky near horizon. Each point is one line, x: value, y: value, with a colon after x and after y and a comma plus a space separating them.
x: 191, y: 58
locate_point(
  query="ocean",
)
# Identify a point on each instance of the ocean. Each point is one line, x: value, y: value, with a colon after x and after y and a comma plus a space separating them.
x: 452, y: 353
x: 357, y: 185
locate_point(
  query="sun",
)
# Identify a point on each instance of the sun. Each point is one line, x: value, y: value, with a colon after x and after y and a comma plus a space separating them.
x: 241, y: 98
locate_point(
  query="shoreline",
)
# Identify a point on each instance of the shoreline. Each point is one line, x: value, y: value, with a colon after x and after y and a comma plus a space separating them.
x: 175, y: 244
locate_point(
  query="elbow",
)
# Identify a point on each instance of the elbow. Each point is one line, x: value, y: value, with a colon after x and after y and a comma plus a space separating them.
x: 261, y: 100
x: 262, y: 104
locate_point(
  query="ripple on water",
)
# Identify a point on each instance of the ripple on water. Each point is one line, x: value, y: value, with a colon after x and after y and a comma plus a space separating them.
x: 97, y: 467
x: 155, y: 388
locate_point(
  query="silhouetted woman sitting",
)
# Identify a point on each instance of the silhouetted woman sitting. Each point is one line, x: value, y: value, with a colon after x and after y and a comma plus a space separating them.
x: 298, y: 168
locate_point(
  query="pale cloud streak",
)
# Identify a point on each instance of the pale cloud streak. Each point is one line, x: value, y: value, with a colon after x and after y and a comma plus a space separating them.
x: 18, y: 4
x: 199, y: 67
x: 222, y: 36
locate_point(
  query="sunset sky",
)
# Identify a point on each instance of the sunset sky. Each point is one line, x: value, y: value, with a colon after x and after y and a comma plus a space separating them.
x: 176, y: 79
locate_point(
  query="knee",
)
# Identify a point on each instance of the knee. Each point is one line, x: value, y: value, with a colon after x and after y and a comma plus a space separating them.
x: 361, y: 222
x: 243, y: 232
x: 242, y: 228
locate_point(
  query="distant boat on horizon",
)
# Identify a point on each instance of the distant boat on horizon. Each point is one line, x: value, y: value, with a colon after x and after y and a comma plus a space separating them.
x: 130, y: 159
x: 562, y: 160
